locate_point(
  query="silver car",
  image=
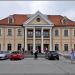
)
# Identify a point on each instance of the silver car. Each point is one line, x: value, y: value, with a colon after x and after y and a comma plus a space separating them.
x: 4, y: 54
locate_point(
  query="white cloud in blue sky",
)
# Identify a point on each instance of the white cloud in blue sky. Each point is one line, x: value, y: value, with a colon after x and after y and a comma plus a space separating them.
x: 64, y: 8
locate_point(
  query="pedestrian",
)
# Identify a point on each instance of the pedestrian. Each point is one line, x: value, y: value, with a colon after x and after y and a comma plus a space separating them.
x: 46, y: 52
x: 31, y: 52
x: 36, y: 54
x: 72, y: 56
x: 23, y: 50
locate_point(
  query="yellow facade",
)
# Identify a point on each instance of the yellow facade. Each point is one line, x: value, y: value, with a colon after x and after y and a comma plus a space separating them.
x: 33, y: 25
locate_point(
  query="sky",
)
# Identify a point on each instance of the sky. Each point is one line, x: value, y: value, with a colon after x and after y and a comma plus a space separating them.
x: 64, y: 8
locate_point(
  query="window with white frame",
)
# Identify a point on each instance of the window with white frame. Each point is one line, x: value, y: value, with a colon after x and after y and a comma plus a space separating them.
x: 74, y: 32
x: 46, y: 33
x: 0, y: 32
x: 19, y: 32
x: 56, y: 47
x: 38, y: 33
x: 56, y: 32
x: 65, y: 33
x: 10, y: 20
x: 19, y: 46
x: 9, y: 47
x: 29, y: 33
x: 65, y: 47
x: 0, y: 47
x: 74, y: 46
x: 9, y: 32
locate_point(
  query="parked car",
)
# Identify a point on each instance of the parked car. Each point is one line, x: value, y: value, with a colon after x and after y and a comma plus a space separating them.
x: 4, y: 54
x: 52, y: 55
x: 16, y: 55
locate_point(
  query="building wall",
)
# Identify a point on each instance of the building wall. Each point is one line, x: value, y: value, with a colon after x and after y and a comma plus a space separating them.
x: 61, y: 40
x: 15, y: 39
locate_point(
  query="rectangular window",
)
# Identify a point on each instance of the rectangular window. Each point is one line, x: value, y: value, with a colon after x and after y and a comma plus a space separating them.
x: 56, y: 47
x: 0, y: 47
x: 74, y: 46
x: 0, y: 32
x: 19, y: 46
x: 56, y: 33
x: 9, y: 32
x: 74, y: 32
x: 19, y: 32
x: 9, y: 47
x: 65, y: 47
x: 38, y: 33
x: 30, y: 33
x: 10, y: 20
x: 46, y: 33
x: 65, y: 32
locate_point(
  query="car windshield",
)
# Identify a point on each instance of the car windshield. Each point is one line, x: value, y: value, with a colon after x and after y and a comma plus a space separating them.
x: 2, y: 52
x: 53, y: 52
x: 16, y: 52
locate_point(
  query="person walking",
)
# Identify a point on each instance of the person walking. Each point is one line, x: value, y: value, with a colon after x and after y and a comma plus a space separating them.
x: 72, y: 56
x: 36, y: 54
x: 46, y: 52
x: 23, y: 50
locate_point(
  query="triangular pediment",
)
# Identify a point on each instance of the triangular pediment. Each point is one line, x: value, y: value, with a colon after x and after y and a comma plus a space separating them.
x: 38, y: 19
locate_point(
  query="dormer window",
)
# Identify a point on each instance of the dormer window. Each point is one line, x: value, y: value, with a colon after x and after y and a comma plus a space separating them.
x: 10, y: 20
x: 64, y: 20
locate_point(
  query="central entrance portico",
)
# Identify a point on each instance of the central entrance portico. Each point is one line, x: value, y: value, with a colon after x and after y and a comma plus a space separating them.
x: 38, y: 33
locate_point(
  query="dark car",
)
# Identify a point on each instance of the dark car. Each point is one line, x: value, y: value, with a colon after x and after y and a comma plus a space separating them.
x: 52, y: 55
x: 16, y: 55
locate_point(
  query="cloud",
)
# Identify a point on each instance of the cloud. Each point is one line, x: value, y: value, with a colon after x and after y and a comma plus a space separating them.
x: 66, y: 8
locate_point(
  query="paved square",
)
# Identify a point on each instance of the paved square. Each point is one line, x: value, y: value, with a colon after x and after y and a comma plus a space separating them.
x: 29, y: 66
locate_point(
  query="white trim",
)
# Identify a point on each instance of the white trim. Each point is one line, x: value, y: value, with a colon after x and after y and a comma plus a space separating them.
x: 11, y: 18
x: 42, y: 49
x: 25, y: 39
x: 36, y: 14
x: 38, y: 25
x: 33, y: 40
x: 51, y: 40
x: 31, y: 27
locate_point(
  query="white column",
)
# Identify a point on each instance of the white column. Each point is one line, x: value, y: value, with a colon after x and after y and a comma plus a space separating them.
x: 33, y: 40
x: 50, y: 39
x: 42, y: 41
x: 25, y: 39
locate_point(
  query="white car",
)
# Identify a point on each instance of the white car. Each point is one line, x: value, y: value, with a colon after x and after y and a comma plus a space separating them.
x: 4, y: 54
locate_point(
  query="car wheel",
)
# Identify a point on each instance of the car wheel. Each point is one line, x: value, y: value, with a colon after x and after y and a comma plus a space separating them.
x: 11, y: 59
x: 57, y: 58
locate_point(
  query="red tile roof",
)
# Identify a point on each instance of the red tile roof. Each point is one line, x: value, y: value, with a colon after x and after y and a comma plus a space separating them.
x: 18, y: 19
x: 55, y: 19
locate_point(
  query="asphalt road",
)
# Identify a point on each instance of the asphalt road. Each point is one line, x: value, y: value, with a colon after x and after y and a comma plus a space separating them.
x: 29, y: 66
